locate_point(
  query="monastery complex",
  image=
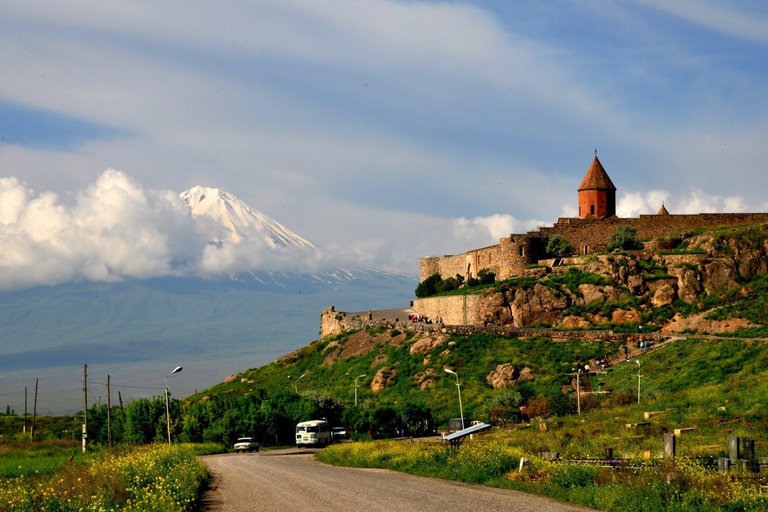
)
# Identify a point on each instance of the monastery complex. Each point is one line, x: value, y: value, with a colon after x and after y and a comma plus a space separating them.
x: 589, y: 233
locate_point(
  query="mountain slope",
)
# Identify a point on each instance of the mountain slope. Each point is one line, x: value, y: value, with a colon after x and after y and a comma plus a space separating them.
x: 241, y: 220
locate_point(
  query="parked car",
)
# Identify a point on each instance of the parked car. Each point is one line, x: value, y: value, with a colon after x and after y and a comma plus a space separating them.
x: 246, y: 444
x: 339, y: 433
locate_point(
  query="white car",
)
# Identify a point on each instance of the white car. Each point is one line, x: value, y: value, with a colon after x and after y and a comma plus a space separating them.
x: 246, y: 444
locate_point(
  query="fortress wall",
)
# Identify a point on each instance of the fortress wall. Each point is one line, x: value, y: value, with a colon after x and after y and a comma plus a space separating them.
x: 592, y: 235
x: 588, y: 236
x: 451, y: 309
x: 472, y: 261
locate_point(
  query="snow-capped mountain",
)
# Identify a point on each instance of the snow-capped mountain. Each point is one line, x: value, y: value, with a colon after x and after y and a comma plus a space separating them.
x: 240, y: 219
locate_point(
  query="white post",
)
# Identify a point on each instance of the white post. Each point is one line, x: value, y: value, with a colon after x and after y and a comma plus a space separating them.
x: 638, y: 379
x: 578, y: 392
x: 458, y: 388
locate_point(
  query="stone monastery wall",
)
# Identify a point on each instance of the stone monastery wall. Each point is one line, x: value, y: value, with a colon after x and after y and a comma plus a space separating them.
x: 514, y: 253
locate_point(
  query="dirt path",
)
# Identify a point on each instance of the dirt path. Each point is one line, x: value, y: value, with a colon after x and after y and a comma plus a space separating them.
x: 286, y: 481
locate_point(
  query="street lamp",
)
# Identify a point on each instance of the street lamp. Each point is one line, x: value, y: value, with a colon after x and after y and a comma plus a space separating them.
x: 578, y: 391
x: 358, y: 377
x: 458, y: 388
x: 296, y: 382
x: 167, y: 410
x: 637, y: 361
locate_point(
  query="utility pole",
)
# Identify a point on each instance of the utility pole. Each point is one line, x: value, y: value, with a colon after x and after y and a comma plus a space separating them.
x: 25, y: 409
x: 109, y: 414
x: 34, y: 415
x: 122, y: 411
x: 85, y: 407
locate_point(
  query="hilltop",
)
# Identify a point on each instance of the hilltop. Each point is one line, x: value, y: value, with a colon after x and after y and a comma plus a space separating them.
x: 503, y: 366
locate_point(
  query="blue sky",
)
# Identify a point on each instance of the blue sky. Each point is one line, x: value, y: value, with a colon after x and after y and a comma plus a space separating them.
x: 394, y: 129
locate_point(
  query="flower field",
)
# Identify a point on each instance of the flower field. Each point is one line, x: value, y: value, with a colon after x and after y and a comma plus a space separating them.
x: 148, y: 478
x: 680, y: 486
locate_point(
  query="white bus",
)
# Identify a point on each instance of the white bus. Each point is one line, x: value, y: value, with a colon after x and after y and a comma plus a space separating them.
x: 313, y: 433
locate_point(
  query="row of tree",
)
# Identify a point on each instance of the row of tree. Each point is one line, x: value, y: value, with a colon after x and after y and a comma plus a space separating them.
x: 271, y: 419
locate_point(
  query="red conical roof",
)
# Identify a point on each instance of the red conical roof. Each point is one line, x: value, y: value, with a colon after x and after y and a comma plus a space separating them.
x: 663, y: 210
x: 596, y: 178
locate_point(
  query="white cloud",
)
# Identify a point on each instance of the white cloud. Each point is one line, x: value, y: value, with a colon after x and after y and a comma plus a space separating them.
x: 632, y: 204
x: 488, y: 230
x: 719, y: 17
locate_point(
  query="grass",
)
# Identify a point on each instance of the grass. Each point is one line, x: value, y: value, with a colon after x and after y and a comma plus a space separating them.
x: 718, y: 387
x: 154, y: 477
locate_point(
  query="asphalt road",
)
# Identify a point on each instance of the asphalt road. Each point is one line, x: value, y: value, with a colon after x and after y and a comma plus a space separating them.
x: 288, y: 480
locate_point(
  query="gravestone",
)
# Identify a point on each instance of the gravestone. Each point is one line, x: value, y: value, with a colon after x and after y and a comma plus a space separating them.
x: 669, y: 446
x: 748, y: 448
x: 724, y: 464
x: 733, y: 449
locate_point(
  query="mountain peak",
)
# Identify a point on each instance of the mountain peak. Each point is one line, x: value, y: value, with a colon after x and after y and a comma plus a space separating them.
x: 240, y: 219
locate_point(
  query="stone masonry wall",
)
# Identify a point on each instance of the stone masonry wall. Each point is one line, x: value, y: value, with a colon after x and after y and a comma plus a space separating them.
x: 332, y: 319
x: 454, y: 309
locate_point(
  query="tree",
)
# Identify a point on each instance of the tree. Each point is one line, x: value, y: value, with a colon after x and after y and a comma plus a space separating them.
x: 429, y: 286
x: 557, y: 246
x: 625, y: 238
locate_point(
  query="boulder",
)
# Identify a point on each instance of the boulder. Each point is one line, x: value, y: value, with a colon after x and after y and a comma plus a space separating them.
x: 574, y: 322
x: 751, y: 263
x: 382, y: 379
x: 663, y: 297
x: 635, y: 283
x: 504, y: 376
x: 591, y: 293
x: 426, y: 344
x: 622, y: 316
x: 230, y: 378
x: 598, y: 319
x: 688, y: 287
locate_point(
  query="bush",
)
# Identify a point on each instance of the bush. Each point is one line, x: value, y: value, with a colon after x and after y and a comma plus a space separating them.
x: 486, y: 276
x: 429, y: 286
x: 557, y: 246
x: 625, y: 238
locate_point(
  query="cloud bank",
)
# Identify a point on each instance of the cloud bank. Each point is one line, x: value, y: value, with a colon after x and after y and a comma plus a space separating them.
x: 116, y: 229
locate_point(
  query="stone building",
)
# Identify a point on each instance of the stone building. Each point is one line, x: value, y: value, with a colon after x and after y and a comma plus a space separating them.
x: 589, y: 233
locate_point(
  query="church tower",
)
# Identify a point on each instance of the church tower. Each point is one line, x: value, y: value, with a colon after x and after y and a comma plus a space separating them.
x: 597, y: 193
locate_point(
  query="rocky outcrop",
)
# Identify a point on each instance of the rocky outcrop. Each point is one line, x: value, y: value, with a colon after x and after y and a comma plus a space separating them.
x: 622, y: 316
x: 574, y: 322
x: 664, y: 296
x: 537, y: 305
x: 718, y: 275
x: 504, y: 376
x: 383, y: 378
x: 426, y: 344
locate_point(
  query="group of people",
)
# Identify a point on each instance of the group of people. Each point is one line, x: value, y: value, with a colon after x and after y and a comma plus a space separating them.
x: 424, y: 319
x: 643, y: 346
x: 602, y: 364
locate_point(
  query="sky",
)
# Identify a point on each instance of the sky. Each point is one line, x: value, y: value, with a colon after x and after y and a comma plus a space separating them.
x: 380, y: 130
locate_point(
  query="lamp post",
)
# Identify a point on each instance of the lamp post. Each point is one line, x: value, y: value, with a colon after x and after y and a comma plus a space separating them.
x: 578, y: 391
x: 637, y: 361
x: 167, y: 410
x: 296, y: 382
x: 458, y: 388
x: 356, y: 386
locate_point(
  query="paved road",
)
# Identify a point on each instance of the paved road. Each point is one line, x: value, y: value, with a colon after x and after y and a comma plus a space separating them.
x: 287, y: 481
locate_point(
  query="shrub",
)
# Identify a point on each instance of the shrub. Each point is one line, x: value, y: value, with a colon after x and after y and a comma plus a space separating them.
x: 624, y: 238
x: 557, y: 246
x: 429, y: 286
x: 486, y: 276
